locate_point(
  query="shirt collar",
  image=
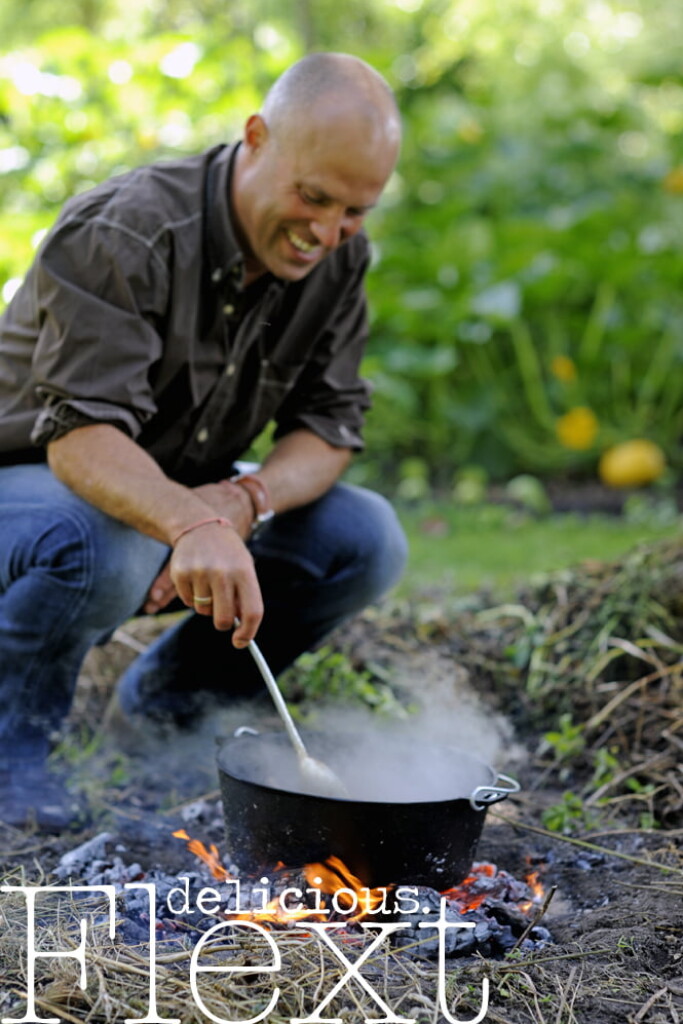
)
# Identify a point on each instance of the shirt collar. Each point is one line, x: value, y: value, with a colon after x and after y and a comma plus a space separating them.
x: 226, y: 260
x: 225, y: 256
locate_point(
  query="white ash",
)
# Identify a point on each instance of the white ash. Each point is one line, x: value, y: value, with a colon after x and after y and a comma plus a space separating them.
x: 76, y: 860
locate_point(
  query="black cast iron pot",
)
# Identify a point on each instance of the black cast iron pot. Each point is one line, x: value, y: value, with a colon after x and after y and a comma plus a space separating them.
x: 425, y: 834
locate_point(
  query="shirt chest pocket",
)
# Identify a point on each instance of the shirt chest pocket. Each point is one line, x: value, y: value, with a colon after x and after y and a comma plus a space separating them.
x: 276, y: 379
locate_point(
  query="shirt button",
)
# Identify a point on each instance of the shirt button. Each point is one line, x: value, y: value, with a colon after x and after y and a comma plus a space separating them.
x: 229, y: 369
x: 203, y: 435
x: 229, y: 309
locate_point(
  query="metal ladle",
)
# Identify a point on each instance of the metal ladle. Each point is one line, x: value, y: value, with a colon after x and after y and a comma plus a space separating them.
x: 318, y: 775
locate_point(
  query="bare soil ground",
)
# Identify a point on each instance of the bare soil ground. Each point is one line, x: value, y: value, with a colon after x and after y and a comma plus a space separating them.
x: 600, y: 646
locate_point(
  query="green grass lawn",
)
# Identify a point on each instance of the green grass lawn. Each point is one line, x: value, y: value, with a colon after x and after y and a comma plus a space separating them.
x: 464, y: 548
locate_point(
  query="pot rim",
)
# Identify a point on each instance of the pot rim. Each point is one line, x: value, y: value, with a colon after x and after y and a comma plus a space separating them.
x: 479, y: 799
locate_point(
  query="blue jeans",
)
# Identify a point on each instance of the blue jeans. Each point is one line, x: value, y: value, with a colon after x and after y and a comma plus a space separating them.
x: 70, y: 574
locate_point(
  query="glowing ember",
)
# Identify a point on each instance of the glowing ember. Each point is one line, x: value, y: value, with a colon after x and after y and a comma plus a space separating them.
x: 463, y: 894
x: 485, y: 881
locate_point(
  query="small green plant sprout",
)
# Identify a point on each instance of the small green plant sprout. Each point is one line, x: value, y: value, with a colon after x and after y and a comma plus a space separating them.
x: 567, y: 741
x: 606, y: 766
x: 568, y: 816
x: 626, y: 943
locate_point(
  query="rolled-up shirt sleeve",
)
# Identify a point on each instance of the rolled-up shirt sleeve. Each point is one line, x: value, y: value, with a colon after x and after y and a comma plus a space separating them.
x: 330, y: 397
x: 101, y: 287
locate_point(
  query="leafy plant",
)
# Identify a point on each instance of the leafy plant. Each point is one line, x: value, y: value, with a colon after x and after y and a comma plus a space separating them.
x: 569, y: 815
x: 329, y: 675
x: 568, y: 740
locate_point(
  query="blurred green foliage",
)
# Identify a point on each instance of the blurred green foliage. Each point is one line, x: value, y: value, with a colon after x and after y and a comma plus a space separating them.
x: 528, y: 253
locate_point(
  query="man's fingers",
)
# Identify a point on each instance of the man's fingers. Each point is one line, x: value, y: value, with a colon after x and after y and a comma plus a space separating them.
x: 249, y: 614
x: 161, y: 592
x: 223, y: 608
x: 214, y: 574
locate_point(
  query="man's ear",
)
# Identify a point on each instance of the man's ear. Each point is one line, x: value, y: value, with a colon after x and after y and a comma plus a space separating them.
x: 255, y: 133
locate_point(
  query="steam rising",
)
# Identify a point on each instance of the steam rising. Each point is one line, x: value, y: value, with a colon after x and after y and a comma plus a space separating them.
x: 442, y: 751
x: 379, y: 758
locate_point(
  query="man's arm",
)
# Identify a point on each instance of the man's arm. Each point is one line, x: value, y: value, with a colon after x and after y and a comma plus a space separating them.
x: 300, y: 468
x: 108, y: 469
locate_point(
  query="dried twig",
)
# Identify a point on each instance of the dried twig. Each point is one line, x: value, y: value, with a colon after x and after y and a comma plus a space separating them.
x: 536, y: 918
x: 646, y: 1007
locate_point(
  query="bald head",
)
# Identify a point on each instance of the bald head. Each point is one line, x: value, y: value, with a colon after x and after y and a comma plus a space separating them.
x: 313, y: 163
x: 329, y: 86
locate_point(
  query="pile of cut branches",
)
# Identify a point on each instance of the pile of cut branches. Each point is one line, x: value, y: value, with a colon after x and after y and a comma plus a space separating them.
x: 593, y: 656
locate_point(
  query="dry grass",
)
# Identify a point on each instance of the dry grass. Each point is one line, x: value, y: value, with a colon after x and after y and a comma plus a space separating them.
x: 547, y: 988
x: 603, y: 644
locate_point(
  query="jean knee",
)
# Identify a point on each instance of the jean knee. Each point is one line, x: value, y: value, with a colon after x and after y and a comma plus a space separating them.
x: 126, y: 564
x: 45, y: 577
x: 93, y: 571
x: 383, y: 547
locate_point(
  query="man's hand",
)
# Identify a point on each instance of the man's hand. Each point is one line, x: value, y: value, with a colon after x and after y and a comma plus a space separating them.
x: 225, y: 499
x: 218, y: 570
x: 161, y: 593
x: 108, y: 469
x: 213, y: 572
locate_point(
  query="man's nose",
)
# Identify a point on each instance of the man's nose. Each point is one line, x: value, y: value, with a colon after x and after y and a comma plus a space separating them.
x: 332, y: 227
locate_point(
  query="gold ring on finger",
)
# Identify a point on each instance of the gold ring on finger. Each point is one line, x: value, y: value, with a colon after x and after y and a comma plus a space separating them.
x: 202, y: 600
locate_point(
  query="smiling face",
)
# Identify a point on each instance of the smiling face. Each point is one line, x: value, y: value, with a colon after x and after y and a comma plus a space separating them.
x: 299, y: 193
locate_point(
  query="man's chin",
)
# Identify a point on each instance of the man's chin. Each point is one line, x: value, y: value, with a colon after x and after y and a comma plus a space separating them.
x: 289, y: 270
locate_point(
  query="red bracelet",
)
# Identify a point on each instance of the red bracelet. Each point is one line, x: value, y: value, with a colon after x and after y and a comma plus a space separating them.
x: 221, y: 520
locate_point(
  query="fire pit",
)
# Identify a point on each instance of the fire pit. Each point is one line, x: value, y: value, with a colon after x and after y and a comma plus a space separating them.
x: 423, y: 829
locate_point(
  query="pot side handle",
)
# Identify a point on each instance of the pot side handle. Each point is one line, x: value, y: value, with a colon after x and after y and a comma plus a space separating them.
x: 482, y: 796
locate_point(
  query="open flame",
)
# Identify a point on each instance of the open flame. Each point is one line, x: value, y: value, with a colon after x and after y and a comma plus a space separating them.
x: 210, y: 856
x: 332, y: 878
x: 346, y: 894
x: 533, y: 880
x: 349, y: 895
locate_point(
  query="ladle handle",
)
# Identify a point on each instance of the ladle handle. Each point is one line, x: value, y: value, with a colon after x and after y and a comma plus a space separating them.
x: 278, y: 699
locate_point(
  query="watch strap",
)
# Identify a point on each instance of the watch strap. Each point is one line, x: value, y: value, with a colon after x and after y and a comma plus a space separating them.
x: 259, y: 495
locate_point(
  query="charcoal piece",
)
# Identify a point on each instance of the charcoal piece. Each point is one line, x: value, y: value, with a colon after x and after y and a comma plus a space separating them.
x: 132, y: 933
x: 456, y: 941
x: 508, y: 914
x: 195, y: 811
x: 464, y: 943
x: 505, y: 939
x: 428, y: 900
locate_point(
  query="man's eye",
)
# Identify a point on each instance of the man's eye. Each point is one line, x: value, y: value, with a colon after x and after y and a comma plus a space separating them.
x: 313, y: 200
